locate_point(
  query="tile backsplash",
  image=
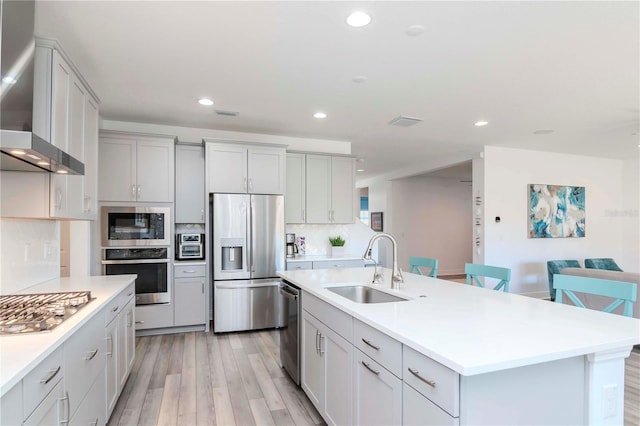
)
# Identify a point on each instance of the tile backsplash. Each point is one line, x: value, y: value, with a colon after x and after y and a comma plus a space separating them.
x: 29, y: 253
x: 356, y: 235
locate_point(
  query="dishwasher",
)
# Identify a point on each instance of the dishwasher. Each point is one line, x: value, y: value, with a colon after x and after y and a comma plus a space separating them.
x: 290, y: 333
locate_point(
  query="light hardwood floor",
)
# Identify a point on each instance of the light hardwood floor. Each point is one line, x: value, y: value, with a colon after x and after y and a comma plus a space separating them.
x: 235, y: 378
x: 208, y: 379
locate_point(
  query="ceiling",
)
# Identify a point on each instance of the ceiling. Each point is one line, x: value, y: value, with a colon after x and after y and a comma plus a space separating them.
x: 570, y: 67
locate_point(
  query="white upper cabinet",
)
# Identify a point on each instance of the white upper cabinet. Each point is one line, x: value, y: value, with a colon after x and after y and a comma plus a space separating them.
x: 65, y: 113
x: 136, y: 168
x: 330, y: 189
x: 190, y: 193
x: 253, y: 169
x: 295, y: 198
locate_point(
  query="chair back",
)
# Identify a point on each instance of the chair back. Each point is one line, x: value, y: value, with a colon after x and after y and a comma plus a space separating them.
x: 554, y: 267
x: 622, y: 292
x: 415, y: 263
x: 603, y: 263
x: 474, y: 271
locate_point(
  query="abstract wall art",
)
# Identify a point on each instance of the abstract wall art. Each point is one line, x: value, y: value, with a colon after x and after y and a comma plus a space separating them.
x: 556, y: 211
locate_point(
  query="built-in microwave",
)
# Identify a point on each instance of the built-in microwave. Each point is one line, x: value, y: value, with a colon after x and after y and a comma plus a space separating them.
x: 190, y: 246
x: 135, y: 226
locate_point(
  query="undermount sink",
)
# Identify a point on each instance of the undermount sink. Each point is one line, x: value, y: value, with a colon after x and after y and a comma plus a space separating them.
x: 364, y: 294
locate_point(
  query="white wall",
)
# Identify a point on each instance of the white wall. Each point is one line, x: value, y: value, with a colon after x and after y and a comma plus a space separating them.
x: 380, y: 200
x: 506, y: 177
x: 630, y: 215
x: 431, y: 218
x: 29, y: 253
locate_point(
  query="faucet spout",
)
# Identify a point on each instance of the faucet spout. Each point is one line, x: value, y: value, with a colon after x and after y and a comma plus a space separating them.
x: 396, y: 277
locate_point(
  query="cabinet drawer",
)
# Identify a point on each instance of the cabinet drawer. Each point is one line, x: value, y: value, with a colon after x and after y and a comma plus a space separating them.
x: 337, y: 263
x: 337, y: 320
x: 188, y: 271
x: 39, y: 382
x: 84, y: 356
x: 418, y: 410
x: 432, y: 379
x: 153, y: 316
x: 292, y: 266
x: 118, y: 303
x: 380, y: 347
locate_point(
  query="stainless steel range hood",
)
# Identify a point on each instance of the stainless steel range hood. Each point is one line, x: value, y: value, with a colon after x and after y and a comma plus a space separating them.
x: 22, y: 149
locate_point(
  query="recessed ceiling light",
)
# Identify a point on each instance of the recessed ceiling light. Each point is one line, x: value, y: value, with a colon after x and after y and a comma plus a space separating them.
x: 9, y: 80
x: 358, y: 19
x: 415, y: 30
x: 543, y: 132
x: 480, y: 123
x: 360, y: 170
x: 205, y: 102
x: 359, y: 79
x: 320, y: 115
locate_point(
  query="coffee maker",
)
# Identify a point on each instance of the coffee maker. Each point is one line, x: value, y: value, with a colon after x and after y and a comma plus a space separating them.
x: 292, y: 250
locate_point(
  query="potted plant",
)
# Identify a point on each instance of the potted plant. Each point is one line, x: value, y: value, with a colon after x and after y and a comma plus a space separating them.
x: 337, y: 245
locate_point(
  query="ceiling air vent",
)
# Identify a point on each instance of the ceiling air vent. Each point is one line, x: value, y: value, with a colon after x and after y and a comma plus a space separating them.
x: 404, y: 121
x: 227, y: 113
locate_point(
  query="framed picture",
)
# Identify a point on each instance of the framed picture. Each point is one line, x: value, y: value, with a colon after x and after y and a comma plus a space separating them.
x: 376, y: 221
x: 556, y: 211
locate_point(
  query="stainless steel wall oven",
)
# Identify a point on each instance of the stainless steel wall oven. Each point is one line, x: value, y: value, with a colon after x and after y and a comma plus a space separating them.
x: 150, y: 264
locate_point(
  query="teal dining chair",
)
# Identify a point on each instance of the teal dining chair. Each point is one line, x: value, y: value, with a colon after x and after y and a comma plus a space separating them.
x: 415, y: 263
x: 474, y: 270
x: 623, y: 292
x: 603, y: 263
x: 554, y: 267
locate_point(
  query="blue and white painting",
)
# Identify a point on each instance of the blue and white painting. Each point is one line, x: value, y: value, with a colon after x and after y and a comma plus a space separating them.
x: 556, y: 211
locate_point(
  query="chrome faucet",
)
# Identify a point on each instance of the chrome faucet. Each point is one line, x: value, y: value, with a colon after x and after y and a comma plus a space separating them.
x: 396, y: 277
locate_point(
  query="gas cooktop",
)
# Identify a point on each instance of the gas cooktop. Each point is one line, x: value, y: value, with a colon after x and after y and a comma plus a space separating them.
x: 30, y: 313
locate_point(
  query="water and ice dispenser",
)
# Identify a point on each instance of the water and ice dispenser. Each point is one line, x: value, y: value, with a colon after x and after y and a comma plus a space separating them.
x: 232, y: 252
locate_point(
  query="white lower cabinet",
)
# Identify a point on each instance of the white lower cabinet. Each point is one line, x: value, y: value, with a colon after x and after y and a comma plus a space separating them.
x: 120, y: 346
x: 91, y: 410
x: 52, y: 410
x: 190, y: 295
x: 418, y: 410
x: 11, y: 406
x: 378, y: 393
x: 327, y: 375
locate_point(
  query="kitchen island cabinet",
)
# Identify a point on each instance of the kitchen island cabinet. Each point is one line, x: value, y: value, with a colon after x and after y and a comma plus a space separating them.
x: 475, y: 356
x: 59, y: 376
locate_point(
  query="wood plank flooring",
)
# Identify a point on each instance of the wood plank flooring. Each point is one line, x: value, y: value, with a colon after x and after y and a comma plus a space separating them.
x: 208, y: 379
x: 236, y: 379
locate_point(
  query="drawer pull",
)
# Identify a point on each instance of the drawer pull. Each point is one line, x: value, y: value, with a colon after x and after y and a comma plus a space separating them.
x: 90, y: 357
x: 139, y: 322
x: 52, y: 374
x: 417, y: 374
x: 366, y: 365
x: 94, y: 423
x: 115, y: 308
x: 368, y: 343
x: 190, y: 271
x: 130, y: 294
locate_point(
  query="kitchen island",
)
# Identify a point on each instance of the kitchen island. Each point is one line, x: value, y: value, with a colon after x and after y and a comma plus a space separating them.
x: 507, y: 358
x: 84, y: 361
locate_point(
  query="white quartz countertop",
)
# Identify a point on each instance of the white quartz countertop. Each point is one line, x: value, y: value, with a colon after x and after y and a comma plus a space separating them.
x: 319, y: 257
x: 473, y: 330
x: 19, y: 354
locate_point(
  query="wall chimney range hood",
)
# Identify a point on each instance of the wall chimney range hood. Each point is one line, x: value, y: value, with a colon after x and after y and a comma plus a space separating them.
x: 22, y: 148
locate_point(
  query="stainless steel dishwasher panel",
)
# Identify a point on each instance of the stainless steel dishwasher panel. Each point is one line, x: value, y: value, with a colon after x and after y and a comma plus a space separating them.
x: 290, y: 333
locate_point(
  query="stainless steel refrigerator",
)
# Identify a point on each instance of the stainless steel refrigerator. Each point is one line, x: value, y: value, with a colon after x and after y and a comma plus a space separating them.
x: 247, y: 248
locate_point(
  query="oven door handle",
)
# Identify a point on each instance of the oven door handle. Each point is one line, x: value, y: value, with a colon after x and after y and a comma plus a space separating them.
x: 133, y: 261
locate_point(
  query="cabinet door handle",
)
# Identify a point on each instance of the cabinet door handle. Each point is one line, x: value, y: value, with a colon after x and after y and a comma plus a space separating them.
x: 133, y: 192
x: 317, y: 344
x: 321, y: 339
x: 202, y: 215
x: 115, y: 309
x: 52, y: 374
x: 250, y: 185
x: 302, y: 216
x: 91, y: 356
x: 94, y: 423
x: 110, y: 351
x: 66, y: 398
x: 417, y: 374
x: 244, y: 183
x: 139, y: 192
x: 368, y: 343
x: 366, y: 365
x: 129, y: 319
